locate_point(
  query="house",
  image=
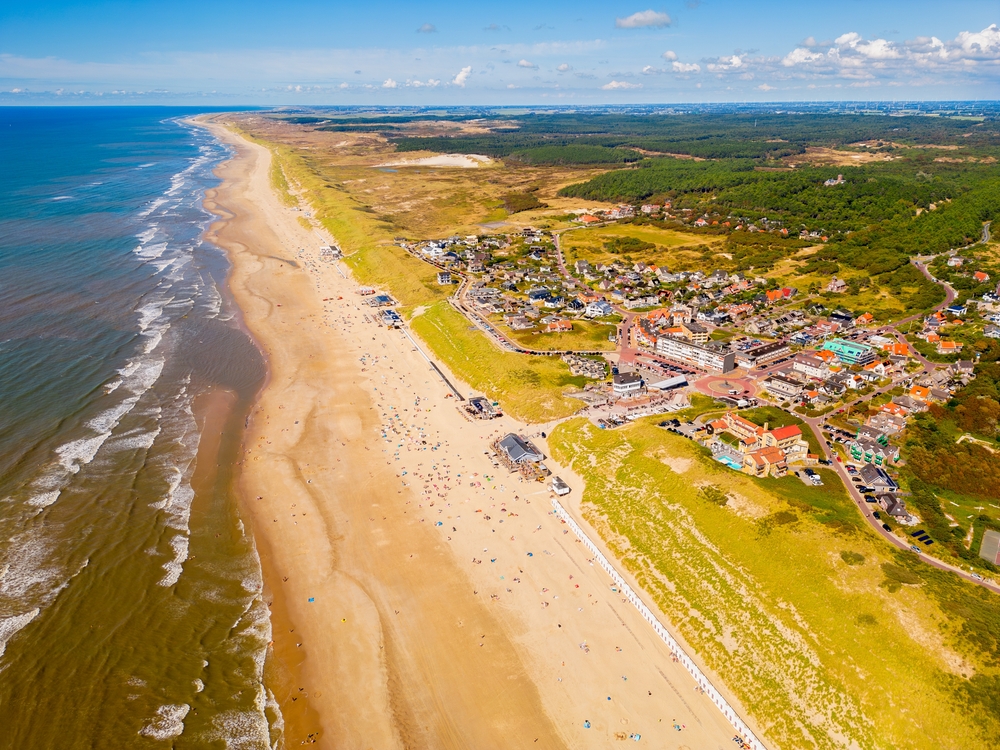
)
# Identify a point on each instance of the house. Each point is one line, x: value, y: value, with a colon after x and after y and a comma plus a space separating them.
x: 518, y: 450
x: 909, y: 405
x: 444, y: 277
x: 811, y: 367
x: 587, y: 219
x: 695, y: 332
x: 789, y: 439
x: 519, y: 323
x: 891, y: 504
x: 559, y: 326
x: 765, y: 462
x: 955, y: 262
x: 782, y: 387
x: 757, y: 356
x: 884, y: 422
x: 837, y: 286
x: 850, y: 352
x: 981, y: 277
x: 865, y: 319
x: 992, y: 332
x: 626, y: 383
x: 949, y: 347
x: 598, y: 309
x: 872, y: 452
x: 748, y: 433
x: 877, y: 477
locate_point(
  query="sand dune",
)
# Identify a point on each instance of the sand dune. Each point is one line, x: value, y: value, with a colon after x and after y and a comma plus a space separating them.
x: 463, y: 161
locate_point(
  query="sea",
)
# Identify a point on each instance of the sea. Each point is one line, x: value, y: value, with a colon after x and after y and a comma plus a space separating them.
x: 131, y: 606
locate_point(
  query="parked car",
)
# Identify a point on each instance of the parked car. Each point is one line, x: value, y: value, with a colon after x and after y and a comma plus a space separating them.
x: 877, y: 515
x: 887, y: 527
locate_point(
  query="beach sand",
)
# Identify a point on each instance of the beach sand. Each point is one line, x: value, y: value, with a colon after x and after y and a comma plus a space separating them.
x: 420, y: 597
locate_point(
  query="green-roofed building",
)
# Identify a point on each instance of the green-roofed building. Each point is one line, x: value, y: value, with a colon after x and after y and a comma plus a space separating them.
x: 850, y: 352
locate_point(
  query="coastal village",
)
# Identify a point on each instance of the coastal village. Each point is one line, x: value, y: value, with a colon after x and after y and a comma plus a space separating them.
x: 656, y: 339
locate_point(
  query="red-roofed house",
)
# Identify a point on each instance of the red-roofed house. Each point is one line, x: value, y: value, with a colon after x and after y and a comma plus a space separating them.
x: 981, y: 277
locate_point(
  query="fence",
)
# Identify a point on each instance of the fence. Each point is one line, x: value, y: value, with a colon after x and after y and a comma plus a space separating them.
x: 703, y: 682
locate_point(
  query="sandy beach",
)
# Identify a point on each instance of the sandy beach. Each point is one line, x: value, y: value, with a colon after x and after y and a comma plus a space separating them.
x: 420, y: 596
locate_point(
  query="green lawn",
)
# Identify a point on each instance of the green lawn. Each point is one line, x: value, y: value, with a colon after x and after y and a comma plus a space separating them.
x: 775, y: 417
x: 528, y: 388
x: 829, y: 637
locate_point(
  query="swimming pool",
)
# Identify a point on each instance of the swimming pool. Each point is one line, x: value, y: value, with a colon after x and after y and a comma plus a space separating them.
x: 729, y: 462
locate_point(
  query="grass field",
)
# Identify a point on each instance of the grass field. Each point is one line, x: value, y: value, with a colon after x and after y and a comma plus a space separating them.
x: 528, y: 388
x: 826, y: 635
x: 585, y: 336
x: 588, y: 244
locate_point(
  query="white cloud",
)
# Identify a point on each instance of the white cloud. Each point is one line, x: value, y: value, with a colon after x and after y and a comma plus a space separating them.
x: 643, y: 19
x: 850, y: 39
x: 621, y: 85
x: 462, y: 76
x: 669, y: 55
x: 765, y: 87
x: 878, y: 49
x: 388, y: 83
x: 564, y: 68
x: 680, y: 67
x: 649, y: 70
x: 344, y: 86
x: 512, y: 86
x: 800, y: 55
x: 430, y: 83
x: 522, y: 63
x: 726, y: 63
x: 427, y: 28
x: 985, y: 43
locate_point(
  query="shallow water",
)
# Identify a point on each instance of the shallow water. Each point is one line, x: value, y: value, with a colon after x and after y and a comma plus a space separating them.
x: 130, y: 610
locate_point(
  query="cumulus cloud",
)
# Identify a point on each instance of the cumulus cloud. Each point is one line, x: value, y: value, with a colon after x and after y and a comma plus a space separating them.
x: 799, y: 56
x: 680, y: 67
x: 564, y: 68
x: 613, y: 85
x: 388, y: 83
x: 765, y: 87
x: 512, y: 86
x: 726, y: 63
x: 427, y: 28
x: 985, y: 43
x: 430, y: 83
x: 669, y: 55
x: 643, y: 19
x: 522, y: 63
x: 462, y: 76
x: 649, y: 70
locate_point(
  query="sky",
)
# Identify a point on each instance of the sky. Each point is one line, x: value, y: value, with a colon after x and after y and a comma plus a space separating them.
x: 223, y: 52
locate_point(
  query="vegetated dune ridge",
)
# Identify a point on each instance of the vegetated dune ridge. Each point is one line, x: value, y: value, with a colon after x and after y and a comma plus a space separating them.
x: 489, y: 630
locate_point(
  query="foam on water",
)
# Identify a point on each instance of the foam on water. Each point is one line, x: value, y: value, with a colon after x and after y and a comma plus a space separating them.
x: 10, y: 625
x: 167, y: 723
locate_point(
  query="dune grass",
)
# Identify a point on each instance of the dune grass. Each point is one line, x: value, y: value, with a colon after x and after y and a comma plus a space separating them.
x: 585, y: 336
x: 828, y: 637
x: 528, y: 388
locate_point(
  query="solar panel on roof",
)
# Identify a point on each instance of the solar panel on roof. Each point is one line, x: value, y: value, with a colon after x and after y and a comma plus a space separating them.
x: 928, y: 541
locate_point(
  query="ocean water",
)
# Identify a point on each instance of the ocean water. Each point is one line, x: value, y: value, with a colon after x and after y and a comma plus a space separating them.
x: 131, y: 612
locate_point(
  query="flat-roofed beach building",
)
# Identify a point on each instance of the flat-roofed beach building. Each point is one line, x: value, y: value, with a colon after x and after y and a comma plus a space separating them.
x: 702, y: 357
x: 850, y: 352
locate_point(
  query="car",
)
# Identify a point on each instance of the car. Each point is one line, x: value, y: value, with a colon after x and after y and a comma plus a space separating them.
x: 915, y: 548
x: 857, y: 479
x: 869, y: 498
x: 887, y: 527
x: 976, y: 576
x: 877, y: 515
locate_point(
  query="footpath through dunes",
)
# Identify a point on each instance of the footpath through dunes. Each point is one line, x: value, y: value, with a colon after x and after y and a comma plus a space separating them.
x: 418, y: 600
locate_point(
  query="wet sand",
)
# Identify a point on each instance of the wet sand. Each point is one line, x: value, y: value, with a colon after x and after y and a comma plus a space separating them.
x: 420, y: 596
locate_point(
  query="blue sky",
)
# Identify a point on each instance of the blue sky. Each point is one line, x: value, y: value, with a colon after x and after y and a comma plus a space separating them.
x: 302, y: 52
